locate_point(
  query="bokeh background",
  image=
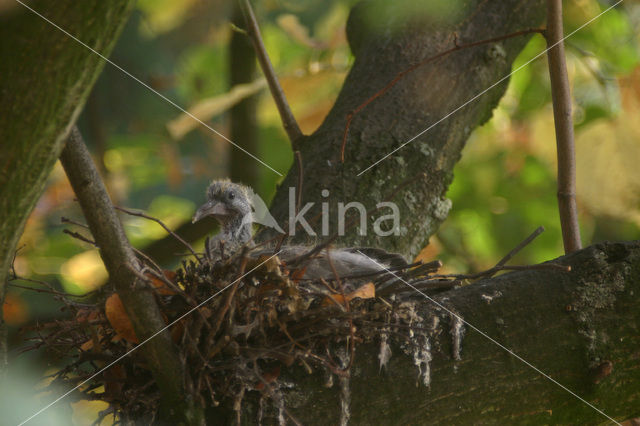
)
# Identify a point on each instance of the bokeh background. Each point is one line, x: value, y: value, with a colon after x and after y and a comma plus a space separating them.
x: 155, y: 160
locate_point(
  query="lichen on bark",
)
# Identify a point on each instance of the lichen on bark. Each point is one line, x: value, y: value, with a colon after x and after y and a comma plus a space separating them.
x: 383, y: 48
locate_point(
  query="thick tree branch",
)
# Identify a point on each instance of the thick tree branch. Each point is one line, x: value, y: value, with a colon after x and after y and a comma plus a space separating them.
x: 253, y: 31
x: 46, y: 77
x: 561, y: 96
x: 579, y: 327
x: 124, y: 272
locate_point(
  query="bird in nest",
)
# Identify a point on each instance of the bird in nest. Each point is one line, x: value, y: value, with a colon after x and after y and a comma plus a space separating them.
x: 231, y: 205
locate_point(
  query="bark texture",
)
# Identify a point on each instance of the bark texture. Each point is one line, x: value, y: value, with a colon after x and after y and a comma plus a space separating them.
x: 46, y: 77
x: 243, y: 116
x: 570, y: 325
x: 124, y: 273
x: 388, y: 38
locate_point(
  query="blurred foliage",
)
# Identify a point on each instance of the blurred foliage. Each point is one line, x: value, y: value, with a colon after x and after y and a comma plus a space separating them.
x: 504, y: 186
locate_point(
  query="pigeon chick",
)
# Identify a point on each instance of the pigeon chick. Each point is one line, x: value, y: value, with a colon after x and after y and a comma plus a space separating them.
x: 230, y: 204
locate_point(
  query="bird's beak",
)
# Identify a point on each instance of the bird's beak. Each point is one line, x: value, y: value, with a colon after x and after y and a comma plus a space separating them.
x: 210, y: 208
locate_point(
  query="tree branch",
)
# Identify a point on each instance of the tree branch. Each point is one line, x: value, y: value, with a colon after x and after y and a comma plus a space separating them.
x: 253, y: 31
x: 124, y: 271
x: 561, y: 96
x: 573, y: 326
x: 401, y: 74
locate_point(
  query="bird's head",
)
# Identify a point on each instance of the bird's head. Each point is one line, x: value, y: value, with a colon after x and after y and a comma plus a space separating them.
x: 228, y: 202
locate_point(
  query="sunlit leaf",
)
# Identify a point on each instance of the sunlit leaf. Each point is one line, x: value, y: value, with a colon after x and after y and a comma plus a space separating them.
x: 172, y: 211
x: 86, y: 412
x: 83, y: 272
x: 292, y: 26
x: 164, y: 15
x: 208, y: 108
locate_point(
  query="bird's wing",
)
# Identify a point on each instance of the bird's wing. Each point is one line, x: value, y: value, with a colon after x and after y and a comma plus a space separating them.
x: 381, y: 256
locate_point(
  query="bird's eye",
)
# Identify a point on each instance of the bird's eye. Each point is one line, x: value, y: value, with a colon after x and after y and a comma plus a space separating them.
x: 231, y: 195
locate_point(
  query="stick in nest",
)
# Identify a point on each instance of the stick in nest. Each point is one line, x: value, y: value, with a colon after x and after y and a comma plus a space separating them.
x: 500, y: 266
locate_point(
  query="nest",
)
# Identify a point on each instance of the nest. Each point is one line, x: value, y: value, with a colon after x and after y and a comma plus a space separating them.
x: 250, y: 321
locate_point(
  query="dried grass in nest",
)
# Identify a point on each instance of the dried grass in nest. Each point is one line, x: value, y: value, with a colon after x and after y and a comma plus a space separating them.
x: 237, y: 344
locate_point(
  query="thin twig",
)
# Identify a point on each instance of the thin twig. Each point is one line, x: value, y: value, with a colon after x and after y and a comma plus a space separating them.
x: 35, y: 289
x: 165, y: 227
x: 73, y: 222
x: 561, y: 97
x: 80, y: 237
x: 253, y: 30
x: 500, y: 266
x: 148, y: 260
x: 520, y: 246
x: 425, y: 61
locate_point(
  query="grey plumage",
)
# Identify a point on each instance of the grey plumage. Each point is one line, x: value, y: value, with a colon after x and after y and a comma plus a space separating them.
x: 230, y: 205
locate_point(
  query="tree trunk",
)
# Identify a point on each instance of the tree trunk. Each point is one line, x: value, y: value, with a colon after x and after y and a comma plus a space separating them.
x: 243, y: 116
x: 388, y: 38
x: 46, y: 78
x: 579, y: 327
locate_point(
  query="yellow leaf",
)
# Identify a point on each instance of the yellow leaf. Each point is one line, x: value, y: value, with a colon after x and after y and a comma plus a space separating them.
x: 85, y: 270
x: 292, y: 26
x: 85, y: 412
x: 208, y: 108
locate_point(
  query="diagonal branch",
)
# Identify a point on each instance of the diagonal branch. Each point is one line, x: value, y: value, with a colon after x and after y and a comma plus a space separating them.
x: 124, y: 272
x: 253, y: 31
x: 561, y: 96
